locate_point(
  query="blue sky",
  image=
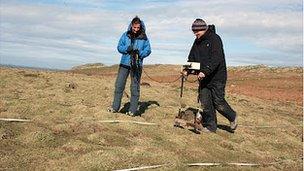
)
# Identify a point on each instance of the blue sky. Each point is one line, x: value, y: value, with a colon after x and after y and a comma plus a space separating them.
x: 61, y: 34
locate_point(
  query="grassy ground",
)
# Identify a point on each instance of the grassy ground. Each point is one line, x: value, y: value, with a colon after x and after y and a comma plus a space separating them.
x: 65, y: 132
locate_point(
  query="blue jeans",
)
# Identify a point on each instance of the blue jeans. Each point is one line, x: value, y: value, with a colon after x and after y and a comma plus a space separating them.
x: 120, y: 84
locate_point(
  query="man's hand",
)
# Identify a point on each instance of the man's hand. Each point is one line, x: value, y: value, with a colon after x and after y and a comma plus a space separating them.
x: 184, y: 73
x: 200, y: 76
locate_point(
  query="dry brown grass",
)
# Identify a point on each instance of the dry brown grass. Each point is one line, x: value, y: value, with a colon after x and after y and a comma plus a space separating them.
x: 65, y: 132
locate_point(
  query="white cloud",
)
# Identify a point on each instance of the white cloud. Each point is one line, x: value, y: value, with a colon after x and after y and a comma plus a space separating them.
x: 79, y: 29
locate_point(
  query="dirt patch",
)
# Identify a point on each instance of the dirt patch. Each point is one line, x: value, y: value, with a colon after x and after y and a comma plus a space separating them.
x: 277, y: 86
x: 281, y: 84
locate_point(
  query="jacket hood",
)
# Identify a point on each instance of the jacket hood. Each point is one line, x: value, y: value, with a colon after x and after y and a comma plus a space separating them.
x: 142, y: 34
x: 142, y: 24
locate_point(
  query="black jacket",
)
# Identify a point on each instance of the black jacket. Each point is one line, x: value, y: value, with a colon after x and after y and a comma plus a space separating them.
x: 208, y: 50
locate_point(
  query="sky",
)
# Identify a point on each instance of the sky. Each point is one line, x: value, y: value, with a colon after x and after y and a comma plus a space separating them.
x: 60, y: 34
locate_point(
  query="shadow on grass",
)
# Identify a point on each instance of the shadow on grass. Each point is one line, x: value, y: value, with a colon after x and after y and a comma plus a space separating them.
x: 143, y: 106
x: 225, y: 128
x: 190, y: 113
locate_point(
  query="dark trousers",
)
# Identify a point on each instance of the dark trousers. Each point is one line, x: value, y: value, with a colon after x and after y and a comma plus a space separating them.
x: 120, y: 84
x: 213, y: 98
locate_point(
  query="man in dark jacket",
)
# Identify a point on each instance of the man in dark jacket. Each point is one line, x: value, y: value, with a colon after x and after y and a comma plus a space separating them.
x: 207, y: 49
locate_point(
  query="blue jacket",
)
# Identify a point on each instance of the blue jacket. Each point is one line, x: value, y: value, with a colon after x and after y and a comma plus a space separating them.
x: 141, y: 43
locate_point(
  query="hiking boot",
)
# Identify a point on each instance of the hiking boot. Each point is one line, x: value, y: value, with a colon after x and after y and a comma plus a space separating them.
x: 206, y: 130
x: 110, y: 109
x: 234, y: 124
x: 130, y: 114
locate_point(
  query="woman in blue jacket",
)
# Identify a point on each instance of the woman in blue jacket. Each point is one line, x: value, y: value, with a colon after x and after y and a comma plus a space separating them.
x: 134, y: 47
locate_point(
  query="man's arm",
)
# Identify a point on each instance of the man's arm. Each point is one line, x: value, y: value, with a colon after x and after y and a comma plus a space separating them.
x: 217, y: 56
x: 122, y: 46
x: 146, y: 50
x: 191, y: 56
x: 190, y: 59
